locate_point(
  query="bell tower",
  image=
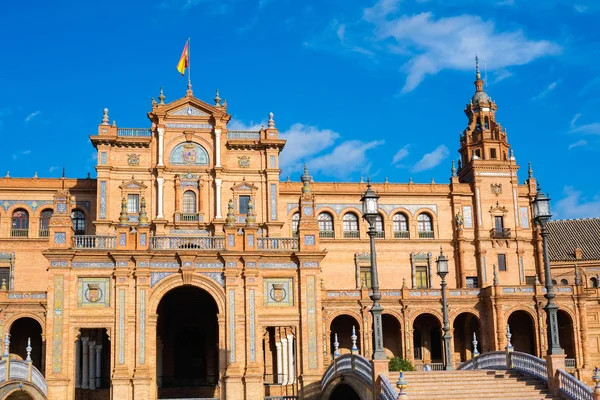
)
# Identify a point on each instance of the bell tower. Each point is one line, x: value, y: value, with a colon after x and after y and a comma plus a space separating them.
x: 484, y: 141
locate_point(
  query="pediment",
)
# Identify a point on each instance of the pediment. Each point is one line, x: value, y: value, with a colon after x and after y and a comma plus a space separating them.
x: 189, y: 110
x: 132, y: 185
x: 244, y: 186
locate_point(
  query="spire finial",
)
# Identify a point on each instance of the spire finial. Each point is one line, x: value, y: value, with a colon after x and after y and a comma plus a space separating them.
x: 306, y: 178
x: 6, y: 345
x: 354, y: 337
x: 105, y: 118
x: 271, y: 121
x: 230, y: 220
x: 336, y: 346
x: 161, y: 96
x: 453, y: 169
x: 529, y: 171
x: 217, y: 99
x: 28, y: 349
x: 477, y: 73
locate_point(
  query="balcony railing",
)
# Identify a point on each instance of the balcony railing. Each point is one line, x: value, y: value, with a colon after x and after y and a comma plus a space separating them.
x: 248, y: 135
x: 503, y: 233
x: 19, y: 232
x: 380, y: 234
x: 351, y: 234
x: 184, y: 242
x: 94, y: 242
x: 326, y: 234
x: 146, y: 132
x: 184, y: 217
x: 277, y: 244
x: 401, y: 235
x: 425, y: 234
x: 44, y: 232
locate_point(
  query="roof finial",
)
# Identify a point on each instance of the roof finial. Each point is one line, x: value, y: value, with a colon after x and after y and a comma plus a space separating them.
x: 453, y: 169
x: 529, y: 171
x: 105, y: 117
x: 217, y: 99
x: 161, y: 96
x: 271, y: 121
x: 306, y: 179
x: 477, y: 73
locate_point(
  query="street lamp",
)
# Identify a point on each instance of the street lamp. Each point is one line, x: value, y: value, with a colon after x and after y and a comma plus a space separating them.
x: 541, y: 215
x: 442, y: 271
x: 370, y: 213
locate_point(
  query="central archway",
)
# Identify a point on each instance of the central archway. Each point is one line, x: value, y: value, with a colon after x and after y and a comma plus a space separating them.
x: 187, y: 352
x: 344, y: 391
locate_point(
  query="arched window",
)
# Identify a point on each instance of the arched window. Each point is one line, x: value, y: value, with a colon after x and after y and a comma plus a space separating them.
x: 189, y: 202
x: 20, y: 224
x: 350, y: 221
x: 487, y: 123
x: 554, y: 281
x: 564, y: 282
x: 400, y: 226
x: 478, y: 125
x: 325, y: 225
x: 78, y: 218
x: 425, y: 226
x: 45, y: 223
x: 379, y: 227
x: 593, y: 282
x: 295, y: 223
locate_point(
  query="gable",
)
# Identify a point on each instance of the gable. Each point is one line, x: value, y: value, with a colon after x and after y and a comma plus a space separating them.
x: 189, y: 110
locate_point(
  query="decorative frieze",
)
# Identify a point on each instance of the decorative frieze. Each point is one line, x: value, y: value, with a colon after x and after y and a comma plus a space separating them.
x: 273, y: 201
x: 218, y: 277
x: 32, y: 204
x: 278, y: 265
x: 164, y: 265
x: 207, y: 265
x: 92, y: 265
x: 155, y: 277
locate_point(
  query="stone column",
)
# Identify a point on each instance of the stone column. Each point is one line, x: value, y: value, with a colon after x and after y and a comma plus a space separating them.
x: 92, y: 362
x: 160, y: 182
x: 161, y: 137
x: 85, y: 380
x: 290, y: 340
x: 217, y: 147
x: 218, y: 198
x: 159, y: 366
x: 279, y: 367
x: 98, y: 365
x: 77, y: 363
x: 284, y: 360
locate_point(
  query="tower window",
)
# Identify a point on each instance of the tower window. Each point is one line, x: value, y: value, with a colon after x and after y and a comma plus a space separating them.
x: 244, y: 202
x: 478, y: 126
x: 189, y: 202
x: 493, y: 153
x: 133, y: 203
x: 487, y: 123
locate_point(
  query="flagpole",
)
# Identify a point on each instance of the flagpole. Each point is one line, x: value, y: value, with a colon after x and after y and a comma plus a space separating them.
x: 189, y: 66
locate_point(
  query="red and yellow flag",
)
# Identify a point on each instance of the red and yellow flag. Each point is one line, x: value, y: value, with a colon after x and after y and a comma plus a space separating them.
x: 184, y: 60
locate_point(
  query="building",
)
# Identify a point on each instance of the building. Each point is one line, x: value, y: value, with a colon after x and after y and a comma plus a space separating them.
x: 189, y: 269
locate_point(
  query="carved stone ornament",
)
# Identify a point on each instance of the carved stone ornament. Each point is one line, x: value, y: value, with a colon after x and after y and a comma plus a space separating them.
x: 244, y: 162
x: 277, y: 292
x: 133, y: 159
x: 496, y: 188
x: 93, y: 293
x: 459, y: 220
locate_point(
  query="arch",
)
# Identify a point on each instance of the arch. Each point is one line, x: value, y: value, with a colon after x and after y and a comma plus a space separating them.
x: 190, y: 204
x: 350, y: 225
x: 566, y: 333
x: 342, y: 326
x: 392, y: 335
x: 564, y: 282
x: 176, y: 280
x: 78, y: 219
x: 9, y: 321
x: 486, y: 122
x: 20, y: 223
x: 343, y: 391
x: 522, y: 328
x: 427, y: 338
x: 379, y: 225
x: 10, y: 388
x: 189, y: 153
x: 325, y: 220
x: 424, y: 222
x: 20, y: 331
x: 45, y: 216
x: 465, y: 324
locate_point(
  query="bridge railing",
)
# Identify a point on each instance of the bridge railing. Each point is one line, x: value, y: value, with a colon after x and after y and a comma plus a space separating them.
x: 572, y: 388
x: 349, y: 362
x: 528, y: 364
x: 22, y: 370
x: 387, y: 389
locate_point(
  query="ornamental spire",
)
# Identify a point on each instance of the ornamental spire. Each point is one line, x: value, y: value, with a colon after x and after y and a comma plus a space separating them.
x: 478, y: 81
x: 305, y: 178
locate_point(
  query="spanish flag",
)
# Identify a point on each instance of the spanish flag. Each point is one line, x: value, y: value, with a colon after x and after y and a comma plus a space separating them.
x: 185, y: 58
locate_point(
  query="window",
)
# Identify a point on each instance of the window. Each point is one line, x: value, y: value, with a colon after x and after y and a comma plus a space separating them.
x: 477, y: 153
x: 487, y: 123
x: 379, y: 227
x: 564, y: 282
x: 493, y: 153
x: 45, y: 223
x: 244, y: 202
x: 593, y: 282
x: 325, y: 225
x: 20, y: 224
x: 478, y: 124
x: 425, y: 226
x: 421, y: 277
x: 78, y: 218
x: 189, y: 202
x: 499, y: 223
x: 530, y: 280
x: 472, y: 282
x: 501, y: 262
x: 400, y: 226
x: 133, y: 203
x: 295, y: 223
x: 350, y: 221
x: 365, y: 277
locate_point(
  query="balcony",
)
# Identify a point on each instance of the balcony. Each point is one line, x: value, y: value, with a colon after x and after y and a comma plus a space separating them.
x: 243, y: 135
x: 326, y: 234
x: 277, y: 244
x: 19, y: 233
x: 44, y: 232
x: 401, y: 235
x: 380, y: 234
x: 425, y: 234
x: 144, y: 132
x: 351, y: 234
x: 184, y: 217
x: 503, y: 233
x: 187, y: 242
x: 94, y: 242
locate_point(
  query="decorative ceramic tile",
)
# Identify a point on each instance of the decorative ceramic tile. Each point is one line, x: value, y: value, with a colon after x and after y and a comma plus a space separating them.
x: 312, y: 321
x: 231, y: 240
x: 250, y: 240
x: 60, y: 238
x: 33, y: 204
x: 142, y: 339
x: 252, y: 326
x: 188, y: 153
x: 103, y: 158
x: 524, y: 214
x: 155, y: 277
x: 92, y: 265
x: 307, y: 210
x: 121, y: 326
x: 278, y: 265
x: 218, y: 277
x: 208, y: 265
x: 61, y: 208
x: 231, y: 326
x: 143, y: 239
x: 57, y: 333
x: 189, y: 126
x: 59, y: 263
x: 164, y: 265
x: 93, y: 292
x: 310, y: 264
x: 468, y: 216
x: 309, y: 240
x: 102, y: 199
x: 272, y: 162
x: 189, y: 110
x: 273, y: 201
x: 278, y: 292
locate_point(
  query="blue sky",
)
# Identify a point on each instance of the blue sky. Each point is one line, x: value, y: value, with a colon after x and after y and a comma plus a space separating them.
x: 358, y: 87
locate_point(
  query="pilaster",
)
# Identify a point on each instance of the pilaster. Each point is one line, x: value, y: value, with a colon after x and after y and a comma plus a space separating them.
x: 235, y: 334
x: 124, y: 355
x: 143, y: 373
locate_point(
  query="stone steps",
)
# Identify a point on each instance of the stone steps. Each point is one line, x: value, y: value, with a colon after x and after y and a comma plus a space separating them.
x: 480, y: 384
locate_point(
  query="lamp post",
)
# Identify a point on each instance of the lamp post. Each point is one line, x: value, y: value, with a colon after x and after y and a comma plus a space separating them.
x: 370, y: 213
x: 442, y: 271
x: 541, y: 215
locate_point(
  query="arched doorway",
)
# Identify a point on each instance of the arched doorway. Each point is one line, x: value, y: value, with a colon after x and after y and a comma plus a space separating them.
x: 427, y: 339
x: 465, y: 324
x: 522, y: 329
x: 392, y: 336
x: 187, y: 358
x: 342, y: 325
x: 344, y: 391
x: 20, y: 331
x: 566, y: 336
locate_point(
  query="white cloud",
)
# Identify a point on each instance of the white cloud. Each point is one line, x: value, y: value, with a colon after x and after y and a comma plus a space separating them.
x: 31, y: 116
x: 237, y: 125
x: 211, y: 6
x: 574, y: 120
x: 401, y: 154
x: 578, y: 143
x: 304, y: 142
x: 53, y: 168
x: 580, y: 8
x: 434, y: 44
x: 574, y: 205
x: 546, y: 91
x: 346, y: 158
x: 23, y: 153
x: 500, y: 75
x: 588, y: 129
x: 432, y: 160
x: 26, y: 152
